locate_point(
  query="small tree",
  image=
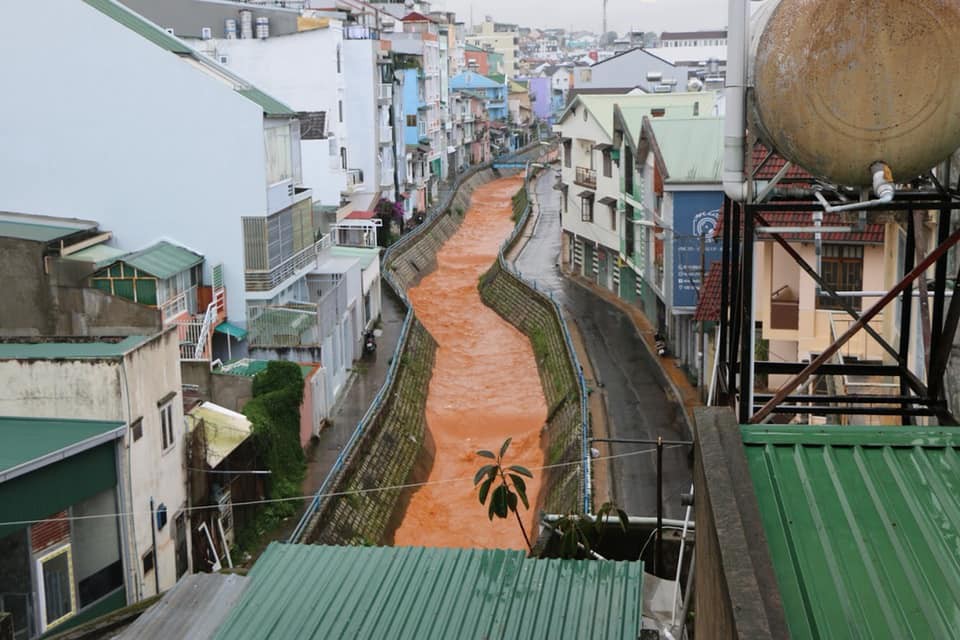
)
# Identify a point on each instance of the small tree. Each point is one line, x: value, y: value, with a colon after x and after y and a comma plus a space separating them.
x: 512, y: 488
x: 577, y: 533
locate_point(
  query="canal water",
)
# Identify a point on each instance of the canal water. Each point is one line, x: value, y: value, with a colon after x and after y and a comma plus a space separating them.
x: 485, y: 388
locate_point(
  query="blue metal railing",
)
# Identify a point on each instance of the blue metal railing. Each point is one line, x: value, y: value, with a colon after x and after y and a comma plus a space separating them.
x: 377, y: 405
x: 571, y: 352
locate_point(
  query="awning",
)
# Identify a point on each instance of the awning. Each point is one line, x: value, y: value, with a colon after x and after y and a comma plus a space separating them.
x: 603, y: 146
x: 586, y: 193
x: 225, y: 430
x: 607, y: 200
x: 231, y: 330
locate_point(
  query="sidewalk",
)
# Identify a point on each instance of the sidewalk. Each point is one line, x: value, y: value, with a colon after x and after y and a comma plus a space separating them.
x: 687, y: 394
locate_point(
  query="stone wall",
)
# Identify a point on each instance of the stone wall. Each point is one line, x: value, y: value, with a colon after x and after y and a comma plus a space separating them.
x: 534, y: 315
x: 384, y: 456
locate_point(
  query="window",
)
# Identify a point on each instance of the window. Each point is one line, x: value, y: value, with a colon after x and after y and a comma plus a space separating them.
x: 568, y: 153
x: 338, y: 59
x: 586, y: 209
x: 658, y: 113
x: 842, y: 269
x: 166, y: 425
x: 136, y: 429
x: 147, y: 562
x: 340, y: 109
x: 696, y: 108
x: 343, y: 158
x: 279, y: 154
x: 58, y: 601
x: 607, y: 164
x: 412, y: 120
x: 613, y: 217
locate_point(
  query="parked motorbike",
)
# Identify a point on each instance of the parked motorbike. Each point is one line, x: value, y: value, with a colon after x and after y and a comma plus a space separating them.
x: 369, y: 342
x: 660, y: 343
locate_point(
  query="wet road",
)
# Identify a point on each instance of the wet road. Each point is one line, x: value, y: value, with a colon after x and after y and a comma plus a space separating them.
x: 637, y: 405
x: 484, y: 387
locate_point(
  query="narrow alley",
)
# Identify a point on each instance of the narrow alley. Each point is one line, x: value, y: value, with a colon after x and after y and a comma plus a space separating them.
x: 637, y: 404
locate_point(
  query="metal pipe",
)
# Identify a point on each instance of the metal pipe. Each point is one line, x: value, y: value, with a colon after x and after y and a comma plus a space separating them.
x: 633, y: 521
x: 678, y: 629
x: 153, y: 538
x: 659, y: 545
x: 882, y: 187
x: 658, y: 441
x: 683, y: 540
x: 735, y: 123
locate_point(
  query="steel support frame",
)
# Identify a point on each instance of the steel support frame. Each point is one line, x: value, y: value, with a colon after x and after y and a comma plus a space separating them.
x: 737, y: 367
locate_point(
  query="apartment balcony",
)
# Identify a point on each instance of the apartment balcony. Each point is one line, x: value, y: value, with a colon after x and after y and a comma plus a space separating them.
x: 586, y: 177
x: 303, y: 260
x: 354, y: 179
x: 184, y: 303
x: 384, y: 92
x: 386, y: 134
x: 360, y: 32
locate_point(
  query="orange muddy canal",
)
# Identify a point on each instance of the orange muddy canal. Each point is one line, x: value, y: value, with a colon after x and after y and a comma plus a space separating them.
x: 485, y: 388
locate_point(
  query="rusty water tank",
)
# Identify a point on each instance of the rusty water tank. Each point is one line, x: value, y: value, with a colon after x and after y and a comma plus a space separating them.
x: 840, y: 84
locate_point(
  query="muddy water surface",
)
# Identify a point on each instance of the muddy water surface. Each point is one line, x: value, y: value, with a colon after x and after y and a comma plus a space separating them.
x: 485, y: 387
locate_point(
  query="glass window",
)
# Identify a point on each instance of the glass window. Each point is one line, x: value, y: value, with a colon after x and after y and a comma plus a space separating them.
x: 586, y: 209
x: 16, y: 597
x: 166, y: 425
x: 57, y: 597
x: 841, y: 268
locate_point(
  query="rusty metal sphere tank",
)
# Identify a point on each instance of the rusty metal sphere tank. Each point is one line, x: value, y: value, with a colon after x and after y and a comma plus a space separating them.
x: 839, y: 84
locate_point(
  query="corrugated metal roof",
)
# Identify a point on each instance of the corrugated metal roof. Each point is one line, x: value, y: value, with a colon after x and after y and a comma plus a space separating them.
x: 163, y: 259
x: 225, y: 430
x: 26, y: 442
x: 692, y: 148
x: 157, y: 35
x: 365, y: 256
x: 193, y: 608
x: 99, y: 254
x: 140, y: 25
x: 271, y: 106
x: 40, y: 228
x: 79, y: 350
x: 249, y: 368
x: 634, y: 107
x: 307, y: 591
x: 863, y: 526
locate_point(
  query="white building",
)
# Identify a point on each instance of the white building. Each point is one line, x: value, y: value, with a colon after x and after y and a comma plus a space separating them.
x: 503, y: 39
x: 592, y: 212
x: 134, y: 381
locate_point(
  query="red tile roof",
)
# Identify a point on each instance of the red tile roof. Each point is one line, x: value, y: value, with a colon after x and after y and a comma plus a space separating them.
x: 413, y: 16
x: 708, y: 306
x: 872, y: 234
x: 360, y: 215
x: 774, y: 164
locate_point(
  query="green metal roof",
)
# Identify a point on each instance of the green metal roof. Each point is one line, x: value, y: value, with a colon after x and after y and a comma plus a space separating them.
x: 37, y: 232
x: 363, y: 255
x: 140, y: 25
x: 307, y: 591
x: 863, y: 526
x: 30, y: 443
x: 692, y: 148
x: 601, y: 105
x: 99, y: 254
x: 231, y: 330
x: 248, y: 368
x: 163, y: 260
x: 271, y: 106
x: 98, y: 349
x: 157, y: 35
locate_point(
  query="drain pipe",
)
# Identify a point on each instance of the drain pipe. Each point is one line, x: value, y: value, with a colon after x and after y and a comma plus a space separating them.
x: 735, y: 122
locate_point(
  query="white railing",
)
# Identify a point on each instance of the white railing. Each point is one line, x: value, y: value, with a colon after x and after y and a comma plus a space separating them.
x: 356, y: 233
x: 180, y: 303
x: 385, y: 91
x: 268, y: 279
x: 292, y: 325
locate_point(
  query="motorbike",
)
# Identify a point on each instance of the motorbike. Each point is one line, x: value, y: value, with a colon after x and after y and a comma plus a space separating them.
x: 369, y: 342
x: 660, y: 343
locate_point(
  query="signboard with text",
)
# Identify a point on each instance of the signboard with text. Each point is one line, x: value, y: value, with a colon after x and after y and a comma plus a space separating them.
x: 695, y: 215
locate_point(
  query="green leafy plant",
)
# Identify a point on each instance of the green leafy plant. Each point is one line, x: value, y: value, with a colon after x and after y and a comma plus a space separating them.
x: 508, y: 484
x: 578, y: 533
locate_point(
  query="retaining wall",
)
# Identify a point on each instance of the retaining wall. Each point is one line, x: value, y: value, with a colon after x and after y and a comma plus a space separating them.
x: 534, y: 314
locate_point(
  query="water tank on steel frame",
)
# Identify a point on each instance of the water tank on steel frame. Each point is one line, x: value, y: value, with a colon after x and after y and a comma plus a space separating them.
x: 840, y: 84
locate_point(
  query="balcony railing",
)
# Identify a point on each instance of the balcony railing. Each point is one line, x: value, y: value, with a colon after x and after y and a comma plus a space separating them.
x: 586, y: 177
x: 267, y: 280
x: 385, y: 91
x: 183, y: 302
x: 360, y: 32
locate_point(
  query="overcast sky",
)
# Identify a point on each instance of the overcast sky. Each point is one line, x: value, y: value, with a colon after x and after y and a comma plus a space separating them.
x: 645, y: 15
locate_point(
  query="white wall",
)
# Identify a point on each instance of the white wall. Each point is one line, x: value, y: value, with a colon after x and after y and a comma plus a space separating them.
x: 585, y: 134
x: 360, y: 109
x: 98, y: 390
x: 111, y: 127
x: 300, y: 70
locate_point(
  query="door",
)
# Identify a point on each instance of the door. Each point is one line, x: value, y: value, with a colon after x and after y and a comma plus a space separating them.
x: 180, y: 533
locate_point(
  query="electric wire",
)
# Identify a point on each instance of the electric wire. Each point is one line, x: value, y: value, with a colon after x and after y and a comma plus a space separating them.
x: 333, y: 494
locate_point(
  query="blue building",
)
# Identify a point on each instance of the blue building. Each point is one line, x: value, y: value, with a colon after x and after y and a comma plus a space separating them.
x: 494, y: 92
